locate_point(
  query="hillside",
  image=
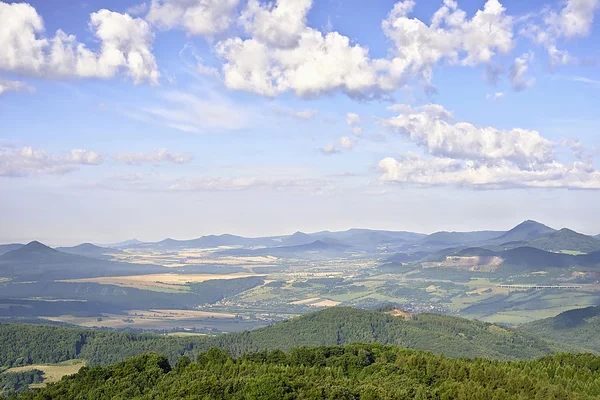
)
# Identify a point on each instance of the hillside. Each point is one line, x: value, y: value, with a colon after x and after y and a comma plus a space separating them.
x: 566, y: 240
x: 36, y: 261
x: 453, y: 336
x: 578, y: 327
x: 359, y: 371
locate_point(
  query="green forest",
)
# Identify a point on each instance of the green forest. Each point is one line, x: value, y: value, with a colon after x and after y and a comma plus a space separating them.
x: 454, y: 336
x: 358, y: 371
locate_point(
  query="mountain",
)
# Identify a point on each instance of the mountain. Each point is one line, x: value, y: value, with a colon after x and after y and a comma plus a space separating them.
x: 525, y: 231
x: 527, y: 258
x: 298, y: 238
x: 36, y: 261
x: 597, y: 236
x: 566, y: 240
x: 90, y: 250
x: 578, y: 328
x: 5, y: 248
x: 208, y: 242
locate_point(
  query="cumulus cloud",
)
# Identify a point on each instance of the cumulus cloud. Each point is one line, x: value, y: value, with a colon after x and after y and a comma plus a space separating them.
x: 575, y: 19
x: 357, y: 131
x: 449, y: 172
x: 352, y: 119
x: 15, y: 86
x: 279, y: 24
x: 451, y: 36
x: 432, y: 128
x: 196, y: 17
x: 284, y: 55
x: 125, y: 46
x: 15, y: 162
x: 156, y: 157
x: 517, y: 73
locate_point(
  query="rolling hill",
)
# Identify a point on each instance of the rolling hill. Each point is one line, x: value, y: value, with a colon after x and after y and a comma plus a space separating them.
x: 579, y: 328
x: 566, y: 240
x: 36, y: 261
x: 453, y: 336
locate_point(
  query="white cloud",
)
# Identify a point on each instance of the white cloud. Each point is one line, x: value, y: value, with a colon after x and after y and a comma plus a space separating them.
x: 279, y: 24
x: 448, y: 172
x: 517, y: 73
x: 575, y: 19
x: 196, y: 17
x: 202, y: 112
x: 15, y: 86
x: 357, y: 131
x: 430, y: 127
x: 451, y: 36
x: 284, y: 55
x: 352, y: 119
x: 156, y: 157
x: 495, y: 96
x: 125, y: 46
x: 27, y: 161
x: 347, y: 143
x: 318, y: 64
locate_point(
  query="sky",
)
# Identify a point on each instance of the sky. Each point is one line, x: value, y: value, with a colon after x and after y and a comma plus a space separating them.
x: 181, y: 118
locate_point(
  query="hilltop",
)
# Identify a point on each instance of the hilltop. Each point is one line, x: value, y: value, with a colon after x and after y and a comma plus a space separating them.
x: 566, y: 240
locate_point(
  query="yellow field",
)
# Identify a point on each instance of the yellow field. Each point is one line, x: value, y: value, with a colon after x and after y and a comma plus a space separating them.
x: 165, y: 281
x: 52, y: 372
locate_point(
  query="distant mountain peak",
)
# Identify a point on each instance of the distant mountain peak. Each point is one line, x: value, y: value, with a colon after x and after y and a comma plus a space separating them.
x: 36, y: 246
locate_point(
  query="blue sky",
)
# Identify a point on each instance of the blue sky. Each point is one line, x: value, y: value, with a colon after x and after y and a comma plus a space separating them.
x: 178, y: 118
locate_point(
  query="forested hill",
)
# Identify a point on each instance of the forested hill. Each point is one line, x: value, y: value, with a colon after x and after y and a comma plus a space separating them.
x: 580, y: 327
x: 365, y: 371
x: 453, y: 336
x: 22, y: 344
